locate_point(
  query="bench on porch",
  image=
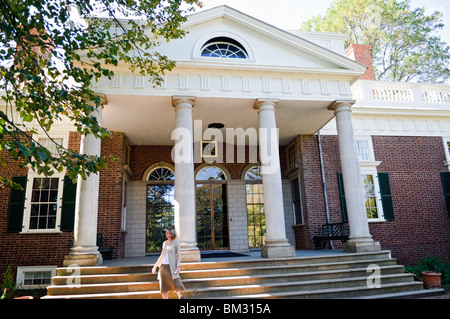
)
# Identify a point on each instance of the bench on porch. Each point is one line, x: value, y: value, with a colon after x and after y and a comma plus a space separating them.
x: 331, y: 231
x: 106, y: 251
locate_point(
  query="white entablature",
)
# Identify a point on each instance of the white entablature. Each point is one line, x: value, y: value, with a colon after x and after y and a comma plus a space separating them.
x: 277, y: 62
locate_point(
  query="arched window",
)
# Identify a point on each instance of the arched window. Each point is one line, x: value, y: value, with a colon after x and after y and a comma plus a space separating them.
x: 223, y: 47
x: 160, y: 206
x: 211, y: 173
x: 161, y: 174
x: 256, y: 220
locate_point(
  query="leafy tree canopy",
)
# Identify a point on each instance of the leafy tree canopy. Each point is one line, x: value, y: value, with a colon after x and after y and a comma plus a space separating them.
x: 405, y: 44
x: 50, y: 53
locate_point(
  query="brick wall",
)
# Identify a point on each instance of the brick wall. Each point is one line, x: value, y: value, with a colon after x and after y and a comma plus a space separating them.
x: 421, y: 224
x: 111, y: 194
x: 30, y: 249
x: 363, y: 54
x: 49, y: 249
x: 143, y: 156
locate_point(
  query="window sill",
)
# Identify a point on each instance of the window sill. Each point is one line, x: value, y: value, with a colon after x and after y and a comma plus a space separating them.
x: 40, y: 231
x: 380, y: 220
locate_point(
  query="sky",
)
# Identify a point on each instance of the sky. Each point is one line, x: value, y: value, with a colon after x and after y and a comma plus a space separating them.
x: 275, y: 13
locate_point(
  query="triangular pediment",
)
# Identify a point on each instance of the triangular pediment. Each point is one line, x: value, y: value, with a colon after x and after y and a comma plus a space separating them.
x: 269, y: 47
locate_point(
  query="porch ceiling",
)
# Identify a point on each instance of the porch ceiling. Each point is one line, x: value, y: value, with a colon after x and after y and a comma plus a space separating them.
x: 149, y: 120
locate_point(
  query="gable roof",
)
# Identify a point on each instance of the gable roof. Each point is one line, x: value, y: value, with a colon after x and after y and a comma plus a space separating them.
x: 287, y: 38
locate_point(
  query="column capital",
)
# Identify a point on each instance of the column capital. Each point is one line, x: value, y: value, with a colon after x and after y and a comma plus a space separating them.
x: 103, y: 100
x: 183, y: 100
x: 341, y: 105
x: 265, y: 104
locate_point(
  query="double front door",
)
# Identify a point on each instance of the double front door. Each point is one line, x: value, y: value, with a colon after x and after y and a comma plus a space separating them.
x: 212, y: 212
x: 212, y: 220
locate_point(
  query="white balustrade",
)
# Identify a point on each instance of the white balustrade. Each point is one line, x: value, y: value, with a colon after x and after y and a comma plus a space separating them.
x: 411, y: 95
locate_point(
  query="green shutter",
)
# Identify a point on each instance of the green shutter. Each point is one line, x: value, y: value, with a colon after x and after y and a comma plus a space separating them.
x: 446, y: 183
x: 386, y: 196
x: 343, y: 202
x: 68, y: 205
x: 16, y: 205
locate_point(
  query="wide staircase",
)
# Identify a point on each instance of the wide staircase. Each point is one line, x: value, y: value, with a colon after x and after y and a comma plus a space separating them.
x: 330, y: 276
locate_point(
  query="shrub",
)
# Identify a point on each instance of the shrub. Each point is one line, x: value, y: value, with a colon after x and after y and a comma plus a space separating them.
x: 8, y: 283
x: 433, y: 263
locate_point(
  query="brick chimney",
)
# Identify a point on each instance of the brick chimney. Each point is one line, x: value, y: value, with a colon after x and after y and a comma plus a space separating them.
x: 363, y: 54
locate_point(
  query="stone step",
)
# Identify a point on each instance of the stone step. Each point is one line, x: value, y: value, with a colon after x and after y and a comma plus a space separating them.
x: 97, y: 284
x: 292, y: 268
x: 231, y: 264
x: 327, y: 276
x: 409, y: 289
x: 334, y: 288
x: 122, y: 276
x: 291, y: 286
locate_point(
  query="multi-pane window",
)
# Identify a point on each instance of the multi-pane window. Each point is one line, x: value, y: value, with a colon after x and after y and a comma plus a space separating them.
x: 34, y: 277
x: 51, y: 145
x: 363, y: 150
x: 160, y: 206
x: 370, y: 196
x: 223, y: 47
x: 292, y: 158
x: 256, y: 221
x: 38, y: 278
x: 44, y: 203
x: 161, y: 174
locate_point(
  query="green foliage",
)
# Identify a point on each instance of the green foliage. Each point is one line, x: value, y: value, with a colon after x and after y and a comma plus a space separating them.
x: 432, y: 263
x: 50, y: 57
x: 8, y: 284
x: 404, y: 44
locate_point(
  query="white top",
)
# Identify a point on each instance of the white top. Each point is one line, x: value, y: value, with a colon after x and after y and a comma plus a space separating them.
x: 165, y: 260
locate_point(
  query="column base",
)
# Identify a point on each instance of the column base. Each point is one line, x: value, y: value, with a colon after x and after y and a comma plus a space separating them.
x: 82, y: 260
x: 83, y: 256
x: 277, y: 250
x: 190, y: 253
x: 361, y: 246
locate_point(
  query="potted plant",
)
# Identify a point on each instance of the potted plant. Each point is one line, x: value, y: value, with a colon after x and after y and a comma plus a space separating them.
x: 431, y: 279
x: 433, y: 269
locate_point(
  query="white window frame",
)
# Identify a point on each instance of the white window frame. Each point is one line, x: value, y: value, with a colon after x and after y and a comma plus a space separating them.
x: 22, y: 270
x: 29, y: 188
x: 196, y: 52
x: 369, y: 167
x: 367, y: 139
x: 445, y: 141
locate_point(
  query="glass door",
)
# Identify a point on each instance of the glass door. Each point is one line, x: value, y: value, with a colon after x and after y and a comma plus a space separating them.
x: 212, y: 220
x: 212, y: 210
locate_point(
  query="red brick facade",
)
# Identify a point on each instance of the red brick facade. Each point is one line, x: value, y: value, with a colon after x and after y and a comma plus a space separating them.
x: 421, y: 224
x: 49, y: 249
x: 363, y: 54
x: 414, y: 164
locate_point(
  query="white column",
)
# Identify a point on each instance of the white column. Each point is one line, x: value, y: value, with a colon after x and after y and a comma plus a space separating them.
x: 276, y: 244
x: 85, y: 251
x: 360, y: 238
x: 182, y: 155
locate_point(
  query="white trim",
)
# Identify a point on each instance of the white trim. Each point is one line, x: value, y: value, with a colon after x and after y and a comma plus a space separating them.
x: 21, y: 270
x: 196, y: 51
x: 373, y: 171
x: 445, y: 141
x: 28, y: 192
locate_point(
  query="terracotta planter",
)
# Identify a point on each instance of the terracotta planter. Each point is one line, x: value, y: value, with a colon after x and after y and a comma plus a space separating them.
x: 431, y: 279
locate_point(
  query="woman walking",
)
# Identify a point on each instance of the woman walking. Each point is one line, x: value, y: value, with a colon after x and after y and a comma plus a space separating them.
x: 169, y: 266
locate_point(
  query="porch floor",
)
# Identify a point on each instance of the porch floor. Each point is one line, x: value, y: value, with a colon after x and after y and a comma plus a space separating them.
x: 253, y: 254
